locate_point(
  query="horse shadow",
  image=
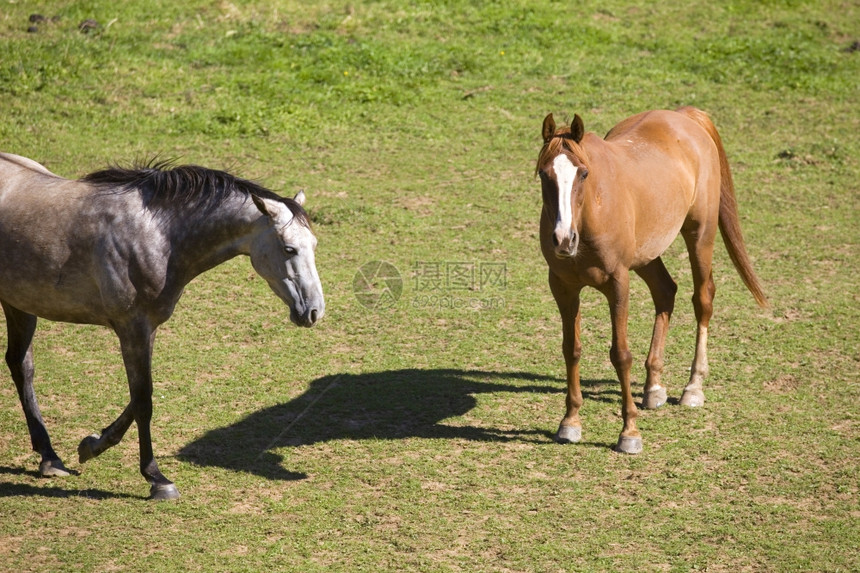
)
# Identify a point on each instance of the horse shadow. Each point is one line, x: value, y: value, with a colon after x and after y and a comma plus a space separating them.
x: 388, y: 405
x: 12, y: 489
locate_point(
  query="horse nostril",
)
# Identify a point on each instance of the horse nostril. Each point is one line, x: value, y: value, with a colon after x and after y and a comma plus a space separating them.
x: 313, y: 315
x: 572, y: 238
x: 555, y: 241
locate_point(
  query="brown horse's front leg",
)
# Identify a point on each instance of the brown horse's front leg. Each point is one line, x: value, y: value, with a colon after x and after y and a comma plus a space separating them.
x: 630, y: 441
x: 567, y: 299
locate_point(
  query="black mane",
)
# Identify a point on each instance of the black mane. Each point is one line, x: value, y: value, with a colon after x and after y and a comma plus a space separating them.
x: 165, y: 187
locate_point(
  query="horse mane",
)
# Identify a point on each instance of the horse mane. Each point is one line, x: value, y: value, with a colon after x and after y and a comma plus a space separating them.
x: 560, y: 142
x: 166, y: 187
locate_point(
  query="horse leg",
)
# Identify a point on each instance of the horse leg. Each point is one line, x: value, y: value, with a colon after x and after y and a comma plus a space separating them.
x: 19, y: 357
x: 136, y: 345
x: 567, y: 299
x: 93, y: 446
x: 617, y: 292
x: 663, y: 290
x: 701, y: 253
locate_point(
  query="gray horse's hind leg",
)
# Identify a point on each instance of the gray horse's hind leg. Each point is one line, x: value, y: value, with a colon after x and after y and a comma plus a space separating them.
x: 19, y: 357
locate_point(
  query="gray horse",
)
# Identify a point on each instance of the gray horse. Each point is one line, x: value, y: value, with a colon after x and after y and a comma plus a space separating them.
x: 116, y: 248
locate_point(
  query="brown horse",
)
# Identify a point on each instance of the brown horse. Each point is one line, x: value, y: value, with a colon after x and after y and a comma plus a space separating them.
x: 616, y: 204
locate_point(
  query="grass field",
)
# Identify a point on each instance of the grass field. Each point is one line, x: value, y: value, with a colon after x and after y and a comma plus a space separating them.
x: 416, y: 434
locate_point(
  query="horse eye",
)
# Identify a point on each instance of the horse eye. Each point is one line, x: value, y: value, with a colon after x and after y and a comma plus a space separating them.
x: 290, y: 251
x: 584, y: 174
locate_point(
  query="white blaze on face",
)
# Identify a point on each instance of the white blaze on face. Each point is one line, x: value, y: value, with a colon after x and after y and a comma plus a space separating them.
x: 565, y: 175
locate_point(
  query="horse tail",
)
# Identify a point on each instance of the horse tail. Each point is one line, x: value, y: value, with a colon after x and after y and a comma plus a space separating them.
x: 730, y: 227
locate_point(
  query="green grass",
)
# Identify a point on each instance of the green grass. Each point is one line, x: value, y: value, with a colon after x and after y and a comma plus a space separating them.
x: 418, y: 437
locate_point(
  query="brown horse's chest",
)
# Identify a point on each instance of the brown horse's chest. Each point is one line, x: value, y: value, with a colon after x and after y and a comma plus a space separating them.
x: 579, y: 272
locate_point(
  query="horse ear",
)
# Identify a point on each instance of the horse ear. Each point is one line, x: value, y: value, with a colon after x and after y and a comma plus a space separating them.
x: 548, y: 128
x: 300, y: 198
x: 269, y: 208
x: 577, y: 129
x: 260, y: 205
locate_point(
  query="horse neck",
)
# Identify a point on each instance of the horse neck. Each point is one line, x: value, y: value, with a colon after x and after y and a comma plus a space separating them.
x: 204, y: 241
x: 596, y: 212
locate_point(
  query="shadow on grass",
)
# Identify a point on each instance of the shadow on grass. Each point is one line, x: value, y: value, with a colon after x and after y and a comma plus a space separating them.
x: 388, y: 405
x: 50, y: 489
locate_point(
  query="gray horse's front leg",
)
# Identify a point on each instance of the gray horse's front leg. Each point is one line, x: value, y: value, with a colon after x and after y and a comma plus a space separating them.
x: 136, y: 345
x: 92, y: 446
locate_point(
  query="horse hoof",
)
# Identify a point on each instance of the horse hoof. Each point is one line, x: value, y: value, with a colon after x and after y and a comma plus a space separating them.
x: 693, y: 398
x: 85, y: 448
x: 654, y: 398
x: 163, y: 492
x: 568, y: 435
x: 52, y: 468
x: 629, y: 445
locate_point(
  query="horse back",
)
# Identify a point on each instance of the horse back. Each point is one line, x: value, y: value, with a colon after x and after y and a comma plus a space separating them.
x: 10, y: 160
x: 673, y: 134
x: 662, y: 155
x: 65, y: 245
x: 664, y: 172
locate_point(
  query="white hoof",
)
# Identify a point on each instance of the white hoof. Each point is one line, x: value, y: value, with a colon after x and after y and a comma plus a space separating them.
x: 693, y: 398
x: 52, y: 468
x: 628, y: 445
x: 568, y: 435
x: 654, y: 398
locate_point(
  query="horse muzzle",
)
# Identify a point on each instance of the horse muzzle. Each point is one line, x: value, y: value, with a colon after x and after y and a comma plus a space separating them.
x: 565, y: 243
x: 309, y: 316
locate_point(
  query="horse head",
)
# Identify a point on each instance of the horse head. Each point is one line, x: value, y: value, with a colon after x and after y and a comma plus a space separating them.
x: 562, y: 170
x: 283, y: 254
